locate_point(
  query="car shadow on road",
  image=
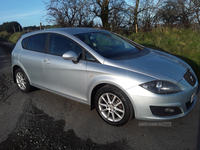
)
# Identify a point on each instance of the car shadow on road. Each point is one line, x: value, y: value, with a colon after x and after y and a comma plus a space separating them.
x: 35, y: 129
x: 5, y: 54
x: 198, y: 137
x: 34, y: 89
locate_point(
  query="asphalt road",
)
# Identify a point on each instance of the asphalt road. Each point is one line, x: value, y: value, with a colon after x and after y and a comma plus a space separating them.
x: 42, y: 120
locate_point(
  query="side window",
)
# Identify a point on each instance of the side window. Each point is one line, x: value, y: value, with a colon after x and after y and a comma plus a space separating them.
x: 37, y: 42
x: 89, y: 57
x: 24, y: 42
x: 59, y: 44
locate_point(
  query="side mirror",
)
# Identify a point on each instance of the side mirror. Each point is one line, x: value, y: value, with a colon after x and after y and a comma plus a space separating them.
x: 70, y: 55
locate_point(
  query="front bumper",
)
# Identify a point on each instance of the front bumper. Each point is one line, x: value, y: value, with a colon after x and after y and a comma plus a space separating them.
x: 152, y: 107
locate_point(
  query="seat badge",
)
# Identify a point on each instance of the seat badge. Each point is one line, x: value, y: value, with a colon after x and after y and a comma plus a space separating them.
x: 191, y: 78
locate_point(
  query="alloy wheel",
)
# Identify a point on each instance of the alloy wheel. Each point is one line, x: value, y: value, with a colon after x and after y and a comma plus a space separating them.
x: 111, y: 107
x: 21, y: 81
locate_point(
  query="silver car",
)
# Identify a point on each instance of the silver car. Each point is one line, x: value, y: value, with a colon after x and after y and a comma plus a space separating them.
x: 118, y: 77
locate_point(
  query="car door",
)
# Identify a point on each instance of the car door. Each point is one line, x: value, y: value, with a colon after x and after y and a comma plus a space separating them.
x: 63, y: 76
x: 32, y: 58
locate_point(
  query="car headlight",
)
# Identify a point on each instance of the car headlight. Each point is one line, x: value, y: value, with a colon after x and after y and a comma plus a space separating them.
x: 161, y: 87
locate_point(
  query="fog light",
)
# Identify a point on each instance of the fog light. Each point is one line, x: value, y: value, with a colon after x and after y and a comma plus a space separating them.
x: 165, y: 111
x: 171, y: 110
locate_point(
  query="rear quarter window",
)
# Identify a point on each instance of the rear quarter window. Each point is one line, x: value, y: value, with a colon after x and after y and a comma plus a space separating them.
x: 24, y: 42
x: 37, y: 42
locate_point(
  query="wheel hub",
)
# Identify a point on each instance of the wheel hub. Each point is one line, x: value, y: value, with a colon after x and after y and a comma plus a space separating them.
x: 110, y: 107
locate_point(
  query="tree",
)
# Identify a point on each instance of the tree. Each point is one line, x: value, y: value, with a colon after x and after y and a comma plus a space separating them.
x: 32, y: 28
x: 82, y: 12
x: 194, y: 7
x: 185, y: 14
x: 101, y: 9
x: 11, y: 27
x: 148, y: 14
x: 107, y: 10
x: 119, y: 18
x: 176, y: 11
x: 136, y: 12
x: 68, y: 13
x: 168, y: 13
x: 142, y: 12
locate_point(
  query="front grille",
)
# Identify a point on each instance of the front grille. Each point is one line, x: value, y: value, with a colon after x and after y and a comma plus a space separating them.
x: 189, y: 77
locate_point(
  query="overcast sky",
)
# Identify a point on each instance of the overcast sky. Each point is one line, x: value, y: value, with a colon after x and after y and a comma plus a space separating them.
x: 26, y: 12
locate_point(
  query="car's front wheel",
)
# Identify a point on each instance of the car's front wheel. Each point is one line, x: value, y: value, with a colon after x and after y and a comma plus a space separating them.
x: 113, y: 106
x: 22, y: 81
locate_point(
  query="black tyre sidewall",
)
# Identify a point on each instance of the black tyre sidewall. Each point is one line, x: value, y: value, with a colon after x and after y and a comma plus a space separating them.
x: 28, y: 86
x: 126, y: 102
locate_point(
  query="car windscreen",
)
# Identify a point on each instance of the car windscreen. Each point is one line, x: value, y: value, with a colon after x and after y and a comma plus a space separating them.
x: 108, y: 45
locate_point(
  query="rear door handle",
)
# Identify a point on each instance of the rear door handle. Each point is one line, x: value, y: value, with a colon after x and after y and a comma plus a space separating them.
x: 47, y: 61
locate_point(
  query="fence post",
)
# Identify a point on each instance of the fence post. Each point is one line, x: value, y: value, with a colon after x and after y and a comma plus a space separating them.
x: 135, y: 28
x: 40, y: 26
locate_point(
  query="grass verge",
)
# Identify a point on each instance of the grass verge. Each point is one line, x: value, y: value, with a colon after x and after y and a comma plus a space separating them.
x: 4, y: 35
x: 15, y: 37
x: 10, y: 37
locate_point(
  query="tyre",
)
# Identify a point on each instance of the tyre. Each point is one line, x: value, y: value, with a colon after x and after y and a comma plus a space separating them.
x: 22, y: 81
x: 113, y: 106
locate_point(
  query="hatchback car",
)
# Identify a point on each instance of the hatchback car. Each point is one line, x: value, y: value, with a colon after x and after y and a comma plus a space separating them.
x: 118, y: 77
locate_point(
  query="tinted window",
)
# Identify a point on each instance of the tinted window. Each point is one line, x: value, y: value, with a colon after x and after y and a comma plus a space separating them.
x: 37, y: 42
x: 108, y: 45
x: 89, y: 57
x: 59, y: 44
x: 24, y: 42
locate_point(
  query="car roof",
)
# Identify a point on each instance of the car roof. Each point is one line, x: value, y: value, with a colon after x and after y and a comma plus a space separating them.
x: 72, y: 30
x: 76, y: 30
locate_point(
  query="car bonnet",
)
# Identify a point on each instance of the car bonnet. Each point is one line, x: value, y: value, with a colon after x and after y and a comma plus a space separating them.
x: 155, y: 64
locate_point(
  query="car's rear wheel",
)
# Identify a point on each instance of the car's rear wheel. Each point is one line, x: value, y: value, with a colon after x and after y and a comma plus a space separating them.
x: 113, y: 106
x: 22, y: 81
